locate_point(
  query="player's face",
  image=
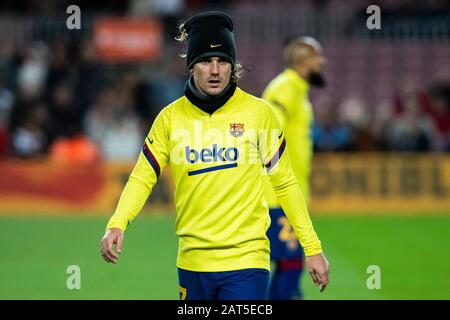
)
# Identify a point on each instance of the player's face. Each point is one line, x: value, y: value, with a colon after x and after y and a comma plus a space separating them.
x: 316, y: 62
x: 211, y: 75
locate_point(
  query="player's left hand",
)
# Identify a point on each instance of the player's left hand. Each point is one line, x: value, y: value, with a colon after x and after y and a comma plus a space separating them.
x: 318, y: 268
x: 111, y: 237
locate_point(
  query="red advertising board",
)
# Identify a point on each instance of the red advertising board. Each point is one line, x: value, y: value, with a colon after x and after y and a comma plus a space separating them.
x: 127, y: 40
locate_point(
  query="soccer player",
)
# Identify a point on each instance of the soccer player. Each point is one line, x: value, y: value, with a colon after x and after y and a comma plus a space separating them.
x: 288, y: 94
x: 218, y: 141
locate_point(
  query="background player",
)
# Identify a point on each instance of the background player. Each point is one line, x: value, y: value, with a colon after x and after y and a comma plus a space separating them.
x: 288, y: 93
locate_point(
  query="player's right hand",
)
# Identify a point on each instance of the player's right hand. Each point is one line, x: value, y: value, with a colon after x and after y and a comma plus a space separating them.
x: 112, y: 236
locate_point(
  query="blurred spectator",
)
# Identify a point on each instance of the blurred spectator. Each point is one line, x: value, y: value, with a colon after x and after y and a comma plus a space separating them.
x: 328, y: 133
x: 4, y: 138
x: 156, y: 7
x: 412, y: 130
x: 65, y: 118
x: 61, y: 69
x: 166, y: 85
x: 383, y: 118
x: 160, y: 86
x: 6, y: 102
x: 410, y: 92
x: 168, y: 10
x: 91, y: 78
x: 354, y: 114
x: 29, y: 138
x: 113, y: 124
x: 6, y: 105
x: 440, y: 113
x: 98, y: 117
x: 421, y: 118
x: 33, y: 71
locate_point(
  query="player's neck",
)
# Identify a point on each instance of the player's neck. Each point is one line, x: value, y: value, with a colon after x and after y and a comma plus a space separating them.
x: 207, y: 103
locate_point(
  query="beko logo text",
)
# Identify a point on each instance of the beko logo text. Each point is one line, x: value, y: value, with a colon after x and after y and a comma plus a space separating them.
x: 213, y: 154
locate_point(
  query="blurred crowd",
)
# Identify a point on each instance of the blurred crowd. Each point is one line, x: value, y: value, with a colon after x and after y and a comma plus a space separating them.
x: 57, y: 98
x: 416, y: 119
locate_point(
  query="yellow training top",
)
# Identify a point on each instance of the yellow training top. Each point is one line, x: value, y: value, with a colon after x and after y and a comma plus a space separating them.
x: 217, y: 162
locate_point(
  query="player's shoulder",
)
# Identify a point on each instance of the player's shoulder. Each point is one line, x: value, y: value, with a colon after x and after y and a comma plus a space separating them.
x: 281, y: 87
x: 164, y: 117
x: 280, y: 79
x: 176, y: 104
x: 253, y: 102
x: 172, y: 107
x: 259, y: 108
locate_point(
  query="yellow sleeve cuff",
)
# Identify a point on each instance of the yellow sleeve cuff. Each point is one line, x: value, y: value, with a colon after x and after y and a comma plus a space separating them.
x: 116, y: 224
x: 312, y: 250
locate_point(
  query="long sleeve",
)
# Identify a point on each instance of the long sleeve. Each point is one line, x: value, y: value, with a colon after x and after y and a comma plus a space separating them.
x: 288, y: 192
x: 272, y: 145
x: 152, y: 160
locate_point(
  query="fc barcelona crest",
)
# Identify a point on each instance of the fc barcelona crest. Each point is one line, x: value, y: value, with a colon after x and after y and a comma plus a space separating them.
x: 236, y: 129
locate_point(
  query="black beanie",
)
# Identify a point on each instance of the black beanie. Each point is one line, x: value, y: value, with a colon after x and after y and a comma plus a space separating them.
x: 210, y: 34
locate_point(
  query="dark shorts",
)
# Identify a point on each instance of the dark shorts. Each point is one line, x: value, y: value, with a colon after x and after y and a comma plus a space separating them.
x: 283, y: 242
x: 246, y: 284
